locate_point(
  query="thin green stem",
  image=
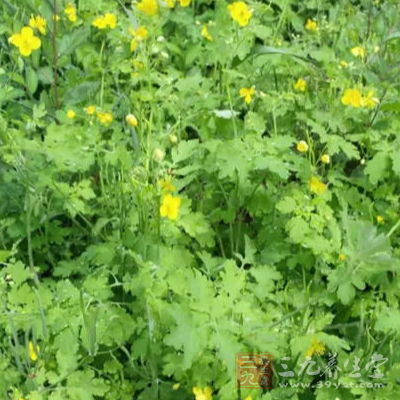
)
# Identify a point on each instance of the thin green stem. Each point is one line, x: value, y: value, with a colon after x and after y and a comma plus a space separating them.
x: 29, y: 239
x: 394, y: 227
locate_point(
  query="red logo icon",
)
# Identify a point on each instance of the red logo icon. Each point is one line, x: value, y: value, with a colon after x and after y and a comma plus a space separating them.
x: 254, y: 370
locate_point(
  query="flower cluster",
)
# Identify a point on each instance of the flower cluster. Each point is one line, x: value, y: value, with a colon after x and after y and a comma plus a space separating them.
x: 105, y: 21
x: 316, y: 186
x: 203, y: 394
x: 138, y: 35
x: 105, y: 118
x: 38, y: 23
x: 70, y: 11
x: 316, y: 347
x: 353, y: 97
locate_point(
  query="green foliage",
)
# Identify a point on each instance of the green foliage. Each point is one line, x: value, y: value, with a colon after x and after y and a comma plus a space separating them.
x: 141, y: 254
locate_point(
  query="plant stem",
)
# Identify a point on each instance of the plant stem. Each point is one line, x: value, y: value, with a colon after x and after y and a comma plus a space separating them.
x: 393, y: 229
x: 28, y: 236
x: 55, y: 56
x: 231, y: 108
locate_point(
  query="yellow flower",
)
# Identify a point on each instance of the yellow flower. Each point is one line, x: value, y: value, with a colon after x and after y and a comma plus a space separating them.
x: 70, y: 11
x: 344, y: 64
x: 342, y: 257
x: 205, y: 394
x: 302, y: 146
x: 248, y: 398
x: 142, y: 32
x: 240, y: 12
x: 316, y: 347
x: 166, y: 185
x: 106, y: 21
x: 358, y: 52
x: 369, y: 101
x: 26, y: 41
x: 111, y: 20
x: 33, y: 351
x: 184, y: 3
x: 90, y: 110
x: 71, y: 114
x: 105, y: 118
x: 137, y: 64
x: 38, y: 23
x: 170, y: 207
x: 99, y: 23
x: 352, y: 97
x: 316, y: 185
x: 247, y: 93
x: 138, y: 35
x: 300, y: 85
x: 131, y: 120
x: 170, y: 3
x: 311, y: 25
x: 173, y: 139
x: 206, y: 34
x: 56, y: 18
x: 149, y: 7
x: 134, y: 45
x: 380, y: 219
x: 176, y: 386
x: 325, y: 158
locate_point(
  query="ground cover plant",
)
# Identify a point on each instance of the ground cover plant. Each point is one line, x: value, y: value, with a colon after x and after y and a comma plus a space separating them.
x: 182, y: 181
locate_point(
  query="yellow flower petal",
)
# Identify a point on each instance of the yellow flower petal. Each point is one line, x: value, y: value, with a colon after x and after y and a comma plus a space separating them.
x: 33, y: 351
x: 240, y: 13
x: 302, y: 146
x: 131, y: 120
x: 352, y: 97
x: 149, y: 7
x: 325, y: 158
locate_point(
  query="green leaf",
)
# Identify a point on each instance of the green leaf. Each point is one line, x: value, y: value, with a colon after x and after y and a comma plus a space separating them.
x: 18, y: 273
x: 70, y: 42
x: 346, y: 292
x: 392, y: 36
x: 190, y: 333
x: 377, y: 167
x: 259, y: 50
x: 80, y: 93
x: 273, y: 164
x: 387, y: 320
x: 198, y: 227
x: 287, y: 205
x: 184, y: 150
x: 45, y: 75
x: 31, y: 80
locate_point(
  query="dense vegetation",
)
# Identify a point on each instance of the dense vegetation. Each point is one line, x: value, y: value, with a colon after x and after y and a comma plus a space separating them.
x: 183, y: 181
